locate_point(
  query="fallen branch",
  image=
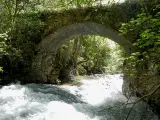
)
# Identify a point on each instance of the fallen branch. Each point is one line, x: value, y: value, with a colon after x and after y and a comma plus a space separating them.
x: 147, y: 95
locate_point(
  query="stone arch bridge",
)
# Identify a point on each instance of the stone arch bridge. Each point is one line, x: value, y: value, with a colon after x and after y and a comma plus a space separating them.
x: 65, y: 25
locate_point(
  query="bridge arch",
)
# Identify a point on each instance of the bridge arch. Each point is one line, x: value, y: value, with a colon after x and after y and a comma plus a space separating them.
x: 43, y: 64
x: 57, y: 38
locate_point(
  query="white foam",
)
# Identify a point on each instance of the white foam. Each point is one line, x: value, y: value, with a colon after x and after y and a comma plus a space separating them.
x: 47, y: 102
x: 97, y: 90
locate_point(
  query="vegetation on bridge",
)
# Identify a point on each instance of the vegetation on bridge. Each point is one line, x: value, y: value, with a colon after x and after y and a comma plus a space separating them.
x: 25, y: 22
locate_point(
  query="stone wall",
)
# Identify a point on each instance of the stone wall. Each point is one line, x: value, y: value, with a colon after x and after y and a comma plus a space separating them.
x: 44, y: 66
x: 145, y: 83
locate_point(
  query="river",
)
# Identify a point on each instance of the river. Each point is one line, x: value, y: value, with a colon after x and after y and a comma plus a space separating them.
x: 99, y: 97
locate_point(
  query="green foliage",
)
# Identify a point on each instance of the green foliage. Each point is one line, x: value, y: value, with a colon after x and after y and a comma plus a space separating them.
x: 97, y: 53
x: 1, y: 69
x: 19, y: 33
x: 3, y: 45
x: 116, y: 60
x: 145, y: 30
x: 90, y: 55
x: 26, y: 36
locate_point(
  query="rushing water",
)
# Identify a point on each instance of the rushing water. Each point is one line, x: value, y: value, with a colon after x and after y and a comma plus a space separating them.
x: 98, y: 98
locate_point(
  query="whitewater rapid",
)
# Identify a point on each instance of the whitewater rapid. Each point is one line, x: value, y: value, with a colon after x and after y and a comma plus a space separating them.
x: 99, y: 97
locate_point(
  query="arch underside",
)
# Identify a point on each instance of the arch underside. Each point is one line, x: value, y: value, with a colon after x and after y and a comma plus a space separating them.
x: 57, y: 38
x: 43, y: 63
